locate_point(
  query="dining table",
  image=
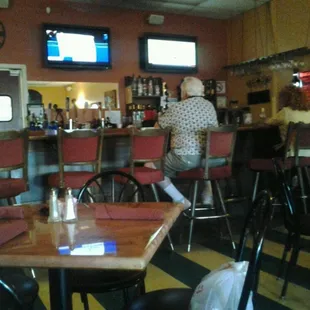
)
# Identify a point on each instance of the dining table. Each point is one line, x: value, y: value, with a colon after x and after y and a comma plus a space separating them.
x: 88, y: 243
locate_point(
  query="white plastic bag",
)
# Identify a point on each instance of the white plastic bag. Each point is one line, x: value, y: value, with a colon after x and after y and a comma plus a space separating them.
x: 221, y: 289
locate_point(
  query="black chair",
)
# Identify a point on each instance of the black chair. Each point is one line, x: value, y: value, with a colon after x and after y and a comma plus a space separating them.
x: 300, y: 141
x: 295, y: 222
x: 17, y: 291
x: 256, y: 223
x: 104, y: 187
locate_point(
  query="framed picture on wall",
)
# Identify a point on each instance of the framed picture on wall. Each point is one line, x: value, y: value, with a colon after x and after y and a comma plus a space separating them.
x: 220, y: 87
x: 110, y: 99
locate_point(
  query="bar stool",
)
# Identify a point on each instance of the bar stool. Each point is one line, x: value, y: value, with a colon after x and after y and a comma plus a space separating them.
x: 297, y: 139
x: 264, y: 164
x: 13, y: 155
x: 220, y: 144
x: 148, y: 146
x: 77, y: 148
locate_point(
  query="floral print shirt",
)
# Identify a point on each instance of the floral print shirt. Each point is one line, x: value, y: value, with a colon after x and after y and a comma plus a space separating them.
x: 188, y: 119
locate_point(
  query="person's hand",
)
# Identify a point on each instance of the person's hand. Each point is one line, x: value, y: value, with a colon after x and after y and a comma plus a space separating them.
x: 156, y: 125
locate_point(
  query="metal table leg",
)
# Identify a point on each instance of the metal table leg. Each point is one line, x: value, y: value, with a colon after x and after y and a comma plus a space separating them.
x: 60, y: 293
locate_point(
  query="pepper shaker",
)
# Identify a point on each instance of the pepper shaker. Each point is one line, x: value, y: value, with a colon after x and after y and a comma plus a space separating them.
x: 54, y: 214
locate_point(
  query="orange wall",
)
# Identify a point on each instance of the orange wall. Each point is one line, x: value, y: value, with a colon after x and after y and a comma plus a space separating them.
x: 275, y: 27
x: 23, y: 44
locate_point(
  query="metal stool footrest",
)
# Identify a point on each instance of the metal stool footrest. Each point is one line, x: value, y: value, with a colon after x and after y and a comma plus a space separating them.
x: 219, y: 216
x: 235, y: 199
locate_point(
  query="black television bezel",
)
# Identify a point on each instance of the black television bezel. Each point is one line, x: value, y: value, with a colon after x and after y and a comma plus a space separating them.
x: 143, y: 50
x: 75, y: 65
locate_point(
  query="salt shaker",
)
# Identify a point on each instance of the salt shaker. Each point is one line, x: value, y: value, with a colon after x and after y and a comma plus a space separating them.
x: 71, y: 232
x: 54, y: 214
x: 70, y: 212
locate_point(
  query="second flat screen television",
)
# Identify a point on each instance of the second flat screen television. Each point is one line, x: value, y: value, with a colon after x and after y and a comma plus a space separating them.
x: 76, y: 47
x: 168, y: 53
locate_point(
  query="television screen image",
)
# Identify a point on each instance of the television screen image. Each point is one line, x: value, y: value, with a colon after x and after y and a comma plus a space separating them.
x: 171, y: 53
x: 168, y: 53
x: 77, y: 47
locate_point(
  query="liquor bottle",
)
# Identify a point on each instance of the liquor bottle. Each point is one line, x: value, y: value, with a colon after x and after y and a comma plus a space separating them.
x: 134, y: 86
x: 150, y: 86
x: 140, y: 86
x: 156, y: 87
x: 144, y: 85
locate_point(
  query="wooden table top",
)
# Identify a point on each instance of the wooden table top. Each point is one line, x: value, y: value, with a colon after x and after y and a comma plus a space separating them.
x: 131, y: 243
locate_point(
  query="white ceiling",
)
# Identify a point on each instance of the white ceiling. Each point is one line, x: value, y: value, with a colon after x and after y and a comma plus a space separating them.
x: 217, y: 9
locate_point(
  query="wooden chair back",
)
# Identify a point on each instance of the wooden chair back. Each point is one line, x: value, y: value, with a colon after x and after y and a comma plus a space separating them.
x: 79, y: 147
x: 148, y: 146
x: 220, y: 143
x: 14, y: 152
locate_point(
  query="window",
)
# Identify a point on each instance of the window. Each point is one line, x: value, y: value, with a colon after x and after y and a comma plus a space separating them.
x: 6, y: 110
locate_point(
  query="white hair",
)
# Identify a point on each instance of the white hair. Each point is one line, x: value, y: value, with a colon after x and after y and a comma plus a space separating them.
x: 192, y: 86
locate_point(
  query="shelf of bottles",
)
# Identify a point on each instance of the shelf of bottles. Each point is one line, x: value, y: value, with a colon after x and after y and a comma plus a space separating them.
x: 143, y: 97
x: 210, y: 90
x: 144, y: 86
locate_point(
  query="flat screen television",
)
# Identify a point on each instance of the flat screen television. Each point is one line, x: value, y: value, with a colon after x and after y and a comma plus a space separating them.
x: 168, y: 53
x: 76, y: 47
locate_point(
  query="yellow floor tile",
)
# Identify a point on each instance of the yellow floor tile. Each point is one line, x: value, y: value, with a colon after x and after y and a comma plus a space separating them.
x: 157, y: 279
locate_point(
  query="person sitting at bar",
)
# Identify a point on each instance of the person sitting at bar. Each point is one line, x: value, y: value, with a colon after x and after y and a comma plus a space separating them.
x: 294, y: 107
x: 188, y: 120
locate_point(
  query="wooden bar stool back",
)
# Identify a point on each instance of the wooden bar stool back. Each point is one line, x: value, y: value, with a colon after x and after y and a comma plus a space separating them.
x: 220, y: 144
x: 148, y: 146
x: 13, y: 156
x: 77, y: 148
